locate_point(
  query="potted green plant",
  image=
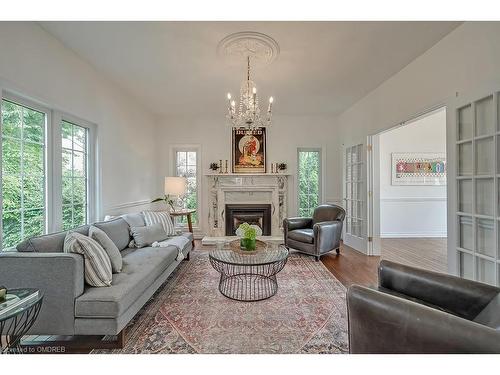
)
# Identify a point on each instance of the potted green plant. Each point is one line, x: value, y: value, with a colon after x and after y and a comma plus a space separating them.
x: 248, y: 234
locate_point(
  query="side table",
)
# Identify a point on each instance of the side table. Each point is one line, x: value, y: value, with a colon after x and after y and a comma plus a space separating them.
x: 185, y: 212
x: 17, y: 321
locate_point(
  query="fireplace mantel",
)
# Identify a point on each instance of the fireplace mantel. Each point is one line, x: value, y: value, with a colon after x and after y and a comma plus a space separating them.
x: 255, y: 188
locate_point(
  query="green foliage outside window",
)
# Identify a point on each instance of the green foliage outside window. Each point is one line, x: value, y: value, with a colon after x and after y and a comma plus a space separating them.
x: 74, y: 175
x: 23, y: 173
x: 309, y: 182
x: 186, y: 167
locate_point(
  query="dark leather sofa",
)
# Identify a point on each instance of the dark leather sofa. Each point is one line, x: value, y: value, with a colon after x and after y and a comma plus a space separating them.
x: 315, y: 235
x: 418, y: 311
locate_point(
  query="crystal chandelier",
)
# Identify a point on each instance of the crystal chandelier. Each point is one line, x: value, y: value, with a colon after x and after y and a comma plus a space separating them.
x: 249, y: 115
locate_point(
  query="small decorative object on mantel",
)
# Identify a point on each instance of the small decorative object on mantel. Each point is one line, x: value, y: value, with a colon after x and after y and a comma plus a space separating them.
x: 214, y: 167
x: 220, y: 166
x: 248, y: 234
x: 280, y: 167
x: 226, y: 171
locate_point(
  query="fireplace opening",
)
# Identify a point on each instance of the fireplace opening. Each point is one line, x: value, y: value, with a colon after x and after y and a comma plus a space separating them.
x: 259, y: 214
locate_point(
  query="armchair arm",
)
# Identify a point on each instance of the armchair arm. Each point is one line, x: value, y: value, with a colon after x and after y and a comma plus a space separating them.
x: 463, y: 297
x: 58, y: 275
x: 327, y: 235
x: 382, y: 323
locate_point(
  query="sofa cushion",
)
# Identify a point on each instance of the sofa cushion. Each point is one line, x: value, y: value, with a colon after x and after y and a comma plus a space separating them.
x: 48, y: 243
x: 140, y: 269
x: 147, y: 235
x: 302, y: 235
x: 134, y: 220
x: 109, y: 247
x: 117, y: 230
x: 97, y: 270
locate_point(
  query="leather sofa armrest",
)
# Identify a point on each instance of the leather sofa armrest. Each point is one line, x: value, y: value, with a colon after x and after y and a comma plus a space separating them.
x: 382, y: 323
x: 463, y: 297
x: 60, y: 276
x: 327, y: 235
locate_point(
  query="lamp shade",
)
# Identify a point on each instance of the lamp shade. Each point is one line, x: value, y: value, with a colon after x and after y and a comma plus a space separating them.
x: 175, y: 186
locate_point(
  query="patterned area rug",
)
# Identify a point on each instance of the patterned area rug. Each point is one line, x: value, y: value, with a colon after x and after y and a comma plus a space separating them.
x: 189, y: 315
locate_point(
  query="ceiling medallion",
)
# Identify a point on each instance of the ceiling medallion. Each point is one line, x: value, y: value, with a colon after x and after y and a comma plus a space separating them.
x: 236, y: 47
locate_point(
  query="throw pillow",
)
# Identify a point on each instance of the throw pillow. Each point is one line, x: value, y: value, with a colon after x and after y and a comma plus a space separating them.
x: 96, y: 262
x: 162, y: 217
x: 145, y: 236
x: 109, y: 246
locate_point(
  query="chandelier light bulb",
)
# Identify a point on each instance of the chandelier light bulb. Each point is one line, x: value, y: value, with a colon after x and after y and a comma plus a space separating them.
x: 271, y: 99
x: 233, y: 103
x: 228, y: 96
x: 254, y: 90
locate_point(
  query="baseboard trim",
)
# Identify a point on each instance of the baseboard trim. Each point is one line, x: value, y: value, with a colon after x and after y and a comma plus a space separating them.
x: 414, y: 235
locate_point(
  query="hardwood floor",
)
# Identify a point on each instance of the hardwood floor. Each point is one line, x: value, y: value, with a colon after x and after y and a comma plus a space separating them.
x: 352, y: 267
x: 349, y: 267
x: 427, y: 253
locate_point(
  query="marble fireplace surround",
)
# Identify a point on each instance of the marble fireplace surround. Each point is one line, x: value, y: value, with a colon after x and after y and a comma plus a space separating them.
x: 240, y: 188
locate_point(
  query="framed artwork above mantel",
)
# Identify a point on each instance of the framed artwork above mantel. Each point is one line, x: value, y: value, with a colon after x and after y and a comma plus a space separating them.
x: 249, y: 150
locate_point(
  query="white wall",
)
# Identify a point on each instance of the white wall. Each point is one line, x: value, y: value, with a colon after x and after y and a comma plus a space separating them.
x: 283, y: 138
x: 35, y: 65
x: 467, y: 59
x: 412, y: 211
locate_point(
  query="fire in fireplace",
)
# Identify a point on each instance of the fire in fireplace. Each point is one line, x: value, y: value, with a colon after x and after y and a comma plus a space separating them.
x: 259, y: 214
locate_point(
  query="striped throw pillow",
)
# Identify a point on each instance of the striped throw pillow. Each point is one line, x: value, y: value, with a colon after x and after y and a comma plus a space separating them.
x: 162, y: 217
x: 96, y: 261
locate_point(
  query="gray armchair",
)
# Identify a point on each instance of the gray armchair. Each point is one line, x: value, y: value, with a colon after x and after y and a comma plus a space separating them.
x: 316, y: 235
x: 417, y: 311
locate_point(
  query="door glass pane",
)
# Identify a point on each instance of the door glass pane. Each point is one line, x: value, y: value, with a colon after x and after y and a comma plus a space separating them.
x: 466, y: 266
x: 465, y: 123
x: 485, y: 122
x: 466, y: 238
x: 485, y: 237
x: 465, y: 159
x: 485, y: 271
x: 465, y: 196
x: 485, y: 161
x: 485, y: 196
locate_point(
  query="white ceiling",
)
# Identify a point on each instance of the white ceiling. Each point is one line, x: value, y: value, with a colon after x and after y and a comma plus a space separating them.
x: 323, y: 67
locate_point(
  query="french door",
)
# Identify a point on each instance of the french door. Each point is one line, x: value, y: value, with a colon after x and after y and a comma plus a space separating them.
x: 355, y: 197
x: 476, y: 189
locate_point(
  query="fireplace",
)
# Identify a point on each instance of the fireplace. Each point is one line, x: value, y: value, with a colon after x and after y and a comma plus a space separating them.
x: 259, y: 214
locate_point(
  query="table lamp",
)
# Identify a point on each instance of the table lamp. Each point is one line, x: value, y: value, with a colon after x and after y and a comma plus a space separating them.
x: 175, y: 187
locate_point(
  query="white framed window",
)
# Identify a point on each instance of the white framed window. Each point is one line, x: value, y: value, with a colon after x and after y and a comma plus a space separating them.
x: 47, y: 174
x: 75, y: 160
x: 309, y: 180
x: 187, y: 164
x: 24, y: 170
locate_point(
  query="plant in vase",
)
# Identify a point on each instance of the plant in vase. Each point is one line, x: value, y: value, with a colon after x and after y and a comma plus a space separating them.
x: 248, y: 234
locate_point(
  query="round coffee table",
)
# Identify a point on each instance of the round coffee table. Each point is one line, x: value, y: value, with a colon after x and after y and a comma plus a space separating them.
x: 248, y: 275
x: 15, y: 322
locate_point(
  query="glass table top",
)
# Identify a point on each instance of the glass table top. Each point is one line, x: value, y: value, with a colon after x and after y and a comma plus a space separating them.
x: 229, y: 252
x: 17, y: 301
